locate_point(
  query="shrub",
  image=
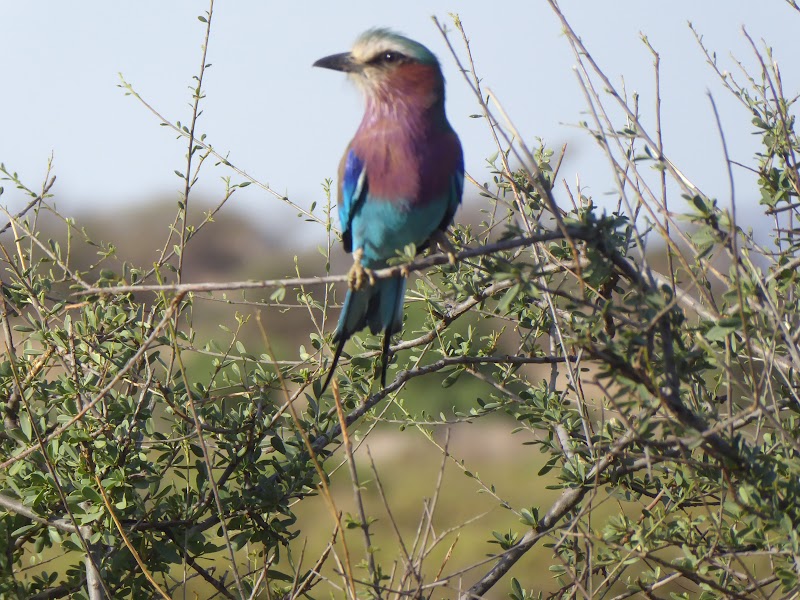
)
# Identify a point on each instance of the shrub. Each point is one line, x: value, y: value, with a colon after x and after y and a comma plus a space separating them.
x: 660, y: 391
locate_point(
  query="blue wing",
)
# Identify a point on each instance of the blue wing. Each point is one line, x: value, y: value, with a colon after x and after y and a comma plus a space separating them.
x: 353, y: 178
x: 454, y: 199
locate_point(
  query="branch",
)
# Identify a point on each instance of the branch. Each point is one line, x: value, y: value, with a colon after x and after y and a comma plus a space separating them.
x: 60, y: 591
x: 190, y: 560
x: 508, y: 359
x: 568, y: 500
x: 13, y: 505
x: 30, y: 204
x: 386, y: 273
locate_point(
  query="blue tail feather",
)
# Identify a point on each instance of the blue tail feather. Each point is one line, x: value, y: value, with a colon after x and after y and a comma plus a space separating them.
x: 379, y: 307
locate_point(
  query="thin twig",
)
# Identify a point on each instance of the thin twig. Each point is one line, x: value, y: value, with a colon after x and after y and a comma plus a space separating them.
x: 359, y: 500
x: 136, y: 557
x: 386, y: 273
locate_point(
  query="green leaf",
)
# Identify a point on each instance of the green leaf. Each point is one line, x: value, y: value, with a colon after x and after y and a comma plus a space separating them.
x: 90, y: 494
x: 452, y: 377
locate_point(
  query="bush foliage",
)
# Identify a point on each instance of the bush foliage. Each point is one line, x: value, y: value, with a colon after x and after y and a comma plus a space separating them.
x: 649, y: 353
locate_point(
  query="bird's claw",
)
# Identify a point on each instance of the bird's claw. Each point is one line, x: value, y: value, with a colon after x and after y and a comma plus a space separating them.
x: 357, y: 273
x: 355, y: 276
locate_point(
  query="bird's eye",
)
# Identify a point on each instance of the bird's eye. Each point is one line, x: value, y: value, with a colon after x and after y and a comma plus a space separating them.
x: 388, y: 57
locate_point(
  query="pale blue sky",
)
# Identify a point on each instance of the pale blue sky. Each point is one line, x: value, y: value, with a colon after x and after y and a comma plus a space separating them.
x: 287, y: 123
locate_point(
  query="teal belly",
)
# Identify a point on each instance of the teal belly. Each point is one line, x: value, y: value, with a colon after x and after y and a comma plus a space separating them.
x: 383, y: 228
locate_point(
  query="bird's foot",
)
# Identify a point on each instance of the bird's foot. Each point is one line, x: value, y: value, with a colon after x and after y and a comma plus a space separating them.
x: 357, y: 273
x: 440, y: 239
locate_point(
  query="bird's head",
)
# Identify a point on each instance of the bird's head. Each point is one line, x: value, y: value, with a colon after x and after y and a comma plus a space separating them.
x: 390, y: 68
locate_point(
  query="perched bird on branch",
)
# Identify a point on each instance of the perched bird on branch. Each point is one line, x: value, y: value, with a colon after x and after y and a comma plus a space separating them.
x: 400, y: 179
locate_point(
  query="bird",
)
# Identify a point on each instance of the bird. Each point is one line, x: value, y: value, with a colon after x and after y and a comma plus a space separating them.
x: 400, y: 180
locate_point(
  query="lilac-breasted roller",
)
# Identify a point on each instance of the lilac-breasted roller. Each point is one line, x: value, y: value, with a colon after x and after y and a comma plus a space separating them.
x: 400, y: 179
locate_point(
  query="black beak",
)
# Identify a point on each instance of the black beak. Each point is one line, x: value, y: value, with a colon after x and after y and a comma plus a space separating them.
x: 338, y: 62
